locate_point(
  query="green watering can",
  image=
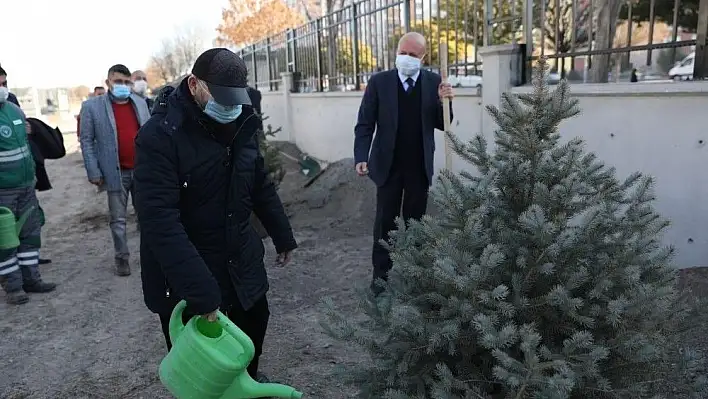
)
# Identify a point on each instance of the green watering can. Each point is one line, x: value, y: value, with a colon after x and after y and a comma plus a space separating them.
x: 10, y: 227
x: 208, y: 360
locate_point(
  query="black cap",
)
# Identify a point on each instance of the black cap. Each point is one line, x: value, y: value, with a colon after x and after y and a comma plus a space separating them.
x: 225, y: 74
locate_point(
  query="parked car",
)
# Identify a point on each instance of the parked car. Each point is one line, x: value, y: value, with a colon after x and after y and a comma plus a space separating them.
x: 465, y: 81
x: 683, y: 70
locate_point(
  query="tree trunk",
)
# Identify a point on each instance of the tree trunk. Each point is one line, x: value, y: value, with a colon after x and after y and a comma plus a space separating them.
x: 606, y: 27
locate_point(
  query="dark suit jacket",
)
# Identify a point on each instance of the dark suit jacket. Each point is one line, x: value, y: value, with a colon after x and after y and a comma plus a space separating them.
x: 11, y: 98
x: 379, y: 112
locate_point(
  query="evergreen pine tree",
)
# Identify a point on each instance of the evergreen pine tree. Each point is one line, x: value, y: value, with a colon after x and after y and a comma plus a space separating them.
x: 543, y: 277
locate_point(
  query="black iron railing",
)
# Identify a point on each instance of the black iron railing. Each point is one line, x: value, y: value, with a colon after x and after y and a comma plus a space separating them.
x: 339, y: 51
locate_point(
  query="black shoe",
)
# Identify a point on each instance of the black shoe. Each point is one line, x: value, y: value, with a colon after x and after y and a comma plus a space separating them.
x: 16, y: 298
x: 45, y: 261
x: 39, y: 287
x: 122, y: 267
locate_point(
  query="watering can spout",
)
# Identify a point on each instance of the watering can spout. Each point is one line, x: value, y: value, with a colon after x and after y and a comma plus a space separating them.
x: 245, y: 387
x: 274, y: 390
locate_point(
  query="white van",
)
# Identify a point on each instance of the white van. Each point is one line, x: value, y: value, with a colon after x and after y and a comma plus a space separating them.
x: 683, y: 70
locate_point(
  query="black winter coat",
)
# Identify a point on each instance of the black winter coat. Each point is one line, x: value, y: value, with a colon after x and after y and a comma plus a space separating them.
x: 194, y: 197
x: 45, y: 143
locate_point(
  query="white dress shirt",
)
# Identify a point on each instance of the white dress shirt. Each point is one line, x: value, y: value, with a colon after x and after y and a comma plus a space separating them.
x: 404, y: 78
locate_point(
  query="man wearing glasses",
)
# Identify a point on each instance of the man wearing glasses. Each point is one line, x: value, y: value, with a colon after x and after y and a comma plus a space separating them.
x: 108, y: 127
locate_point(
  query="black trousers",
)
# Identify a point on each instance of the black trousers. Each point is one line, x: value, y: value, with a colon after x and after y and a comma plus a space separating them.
x: 254, y: 322
x: 406, y: 194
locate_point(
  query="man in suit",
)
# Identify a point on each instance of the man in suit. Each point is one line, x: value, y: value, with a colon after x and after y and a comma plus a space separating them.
x: 109, y: 124
x: 404, y: 107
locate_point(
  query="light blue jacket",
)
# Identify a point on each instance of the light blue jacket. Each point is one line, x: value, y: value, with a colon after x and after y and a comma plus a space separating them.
x: 99, y: 138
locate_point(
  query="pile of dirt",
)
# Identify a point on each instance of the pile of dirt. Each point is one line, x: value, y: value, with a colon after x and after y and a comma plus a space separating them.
x: 337, y: 197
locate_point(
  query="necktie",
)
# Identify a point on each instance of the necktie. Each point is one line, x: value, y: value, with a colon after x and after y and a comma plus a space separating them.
x: 411, y: 84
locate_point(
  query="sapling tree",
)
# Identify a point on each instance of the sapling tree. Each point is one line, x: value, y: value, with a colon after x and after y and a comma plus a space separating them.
x: 273, y: 164
x: 543, y: 276
x: 271, y: 154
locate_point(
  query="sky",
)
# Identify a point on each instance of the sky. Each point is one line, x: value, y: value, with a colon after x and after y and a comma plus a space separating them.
x: 66, y: 43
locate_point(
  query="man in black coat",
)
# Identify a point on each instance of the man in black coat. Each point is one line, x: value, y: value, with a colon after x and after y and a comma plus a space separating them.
x: 45, y: 143
x: 404, y: 107
x: 199, y: 174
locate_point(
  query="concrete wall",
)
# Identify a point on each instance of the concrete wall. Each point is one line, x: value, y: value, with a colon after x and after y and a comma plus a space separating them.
x: 659, y: 129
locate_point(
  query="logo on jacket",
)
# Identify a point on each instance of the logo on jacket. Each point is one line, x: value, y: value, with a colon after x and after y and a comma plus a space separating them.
x: 5, y: 131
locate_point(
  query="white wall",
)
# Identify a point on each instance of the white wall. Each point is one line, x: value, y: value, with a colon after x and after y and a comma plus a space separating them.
x: 323, y: 123
x: 659, y: 129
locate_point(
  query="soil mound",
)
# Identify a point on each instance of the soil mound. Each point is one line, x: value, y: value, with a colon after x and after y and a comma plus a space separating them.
x: 337, y: 197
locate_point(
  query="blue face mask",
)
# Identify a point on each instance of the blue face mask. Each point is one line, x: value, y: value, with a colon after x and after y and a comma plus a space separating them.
x: 120, y: 91
x: 221, y: 113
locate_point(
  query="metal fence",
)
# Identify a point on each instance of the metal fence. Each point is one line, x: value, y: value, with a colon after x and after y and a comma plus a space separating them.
x: 339, y: 51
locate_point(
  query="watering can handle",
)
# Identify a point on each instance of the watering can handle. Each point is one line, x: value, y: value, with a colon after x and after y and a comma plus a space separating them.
x: 176, y: 325
x: 246, y: 343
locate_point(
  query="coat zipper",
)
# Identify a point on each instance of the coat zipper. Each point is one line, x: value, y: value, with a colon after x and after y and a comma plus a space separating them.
x: 231, y: 171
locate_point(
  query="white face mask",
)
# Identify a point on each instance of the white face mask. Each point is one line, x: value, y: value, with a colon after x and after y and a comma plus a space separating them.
x: 140, y: 86
x: 4, y: 94
x: 407, y: 65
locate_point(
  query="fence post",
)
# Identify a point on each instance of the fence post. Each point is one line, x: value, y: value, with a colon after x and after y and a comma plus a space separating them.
x: 488, y: 16
x: 293, y: 35
x: 290, y: 50
x: 253, y: 64
x: 318, y: 40
x: 528, y: 35
x: 288, y: 125
x: 288, y: 54
x: 700, y: 64
x: 406, y: 16
x: 355, y: 49
x: 270, y: 72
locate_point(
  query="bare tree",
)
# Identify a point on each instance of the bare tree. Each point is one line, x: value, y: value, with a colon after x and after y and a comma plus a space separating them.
x: 177, y: 54
x: 331, y: 19
x: 608, y: 13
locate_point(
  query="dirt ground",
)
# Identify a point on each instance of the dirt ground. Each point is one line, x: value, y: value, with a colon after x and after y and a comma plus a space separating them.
x: 94, y: 338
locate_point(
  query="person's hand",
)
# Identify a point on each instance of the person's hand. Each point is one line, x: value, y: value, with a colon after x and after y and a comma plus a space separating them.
x: 96, y: 182
x: 28, y: 127
x: 284, y: 258
x: 362, y: 169
x: 211, y: 316
x: 445, y: 91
